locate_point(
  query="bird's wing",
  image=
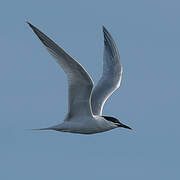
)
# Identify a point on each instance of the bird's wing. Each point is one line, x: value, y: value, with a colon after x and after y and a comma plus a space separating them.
x: 80, y: 83
x: 111, y: 77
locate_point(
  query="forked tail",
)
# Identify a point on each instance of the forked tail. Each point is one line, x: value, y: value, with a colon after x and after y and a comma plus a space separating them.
x: 41, y: 129
x: 56, y: 127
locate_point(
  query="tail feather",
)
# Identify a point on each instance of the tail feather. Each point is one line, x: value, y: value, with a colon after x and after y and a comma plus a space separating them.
x: 41, y: 129
x: 48, y: 128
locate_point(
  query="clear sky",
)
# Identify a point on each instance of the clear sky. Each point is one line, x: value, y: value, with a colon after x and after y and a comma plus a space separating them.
x: 33, y: 90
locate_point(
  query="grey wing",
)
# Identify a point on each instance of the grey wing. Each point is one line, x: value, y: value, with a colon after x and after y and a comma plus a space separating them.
x: 80, y: 83
x: 111, y: 77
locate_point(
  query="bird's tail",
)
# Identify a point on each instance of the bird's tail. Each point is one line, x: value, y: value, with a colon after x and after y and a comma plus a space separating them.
x: 48, y: 128
x: 39, y: 129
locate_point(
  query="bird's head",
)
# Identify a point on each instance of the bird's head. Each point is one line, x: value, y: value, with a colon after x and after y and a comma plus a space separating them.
x: 116, y: 122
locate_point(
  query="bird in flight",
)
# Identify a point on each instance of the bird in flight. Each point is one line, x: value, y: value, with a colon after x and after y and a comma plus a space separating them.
x: 85, y: 103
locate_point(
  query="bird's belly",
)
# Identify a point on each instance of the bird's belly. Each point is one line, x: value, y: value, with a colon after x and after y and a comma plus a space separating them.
x: 85, y: 127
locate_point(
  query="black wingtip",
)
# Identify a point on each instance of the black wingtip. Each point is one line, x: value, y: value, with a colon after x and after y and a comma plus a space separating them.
x: 105, y: 31
x: 107, y: 36
x: 29, y: 24
x: 103, y: 27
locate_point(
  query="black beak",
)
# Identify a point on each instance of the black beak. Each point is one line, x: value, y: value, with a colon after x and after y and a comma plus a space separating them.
x: 124, y: 126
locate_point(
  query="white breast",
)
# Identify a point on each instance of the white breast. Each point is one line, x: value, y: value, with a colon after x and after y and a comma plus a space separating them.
x: 86, y: 125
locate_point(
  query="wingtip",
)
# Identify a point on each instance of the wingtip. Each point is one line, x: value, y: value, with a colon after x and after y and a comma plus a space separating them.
x: 29, y: 24
x: 106, y: 33
x: 104, y: 29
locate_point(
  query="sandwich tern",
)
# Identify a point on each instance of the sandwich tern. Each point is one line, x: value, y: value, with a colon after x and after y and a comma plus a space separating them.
x: 85, y: 103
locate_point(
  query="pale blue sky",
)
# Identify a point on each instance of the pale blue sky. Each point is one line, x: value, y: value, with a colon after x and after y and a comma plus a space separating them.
x: 33, y: 90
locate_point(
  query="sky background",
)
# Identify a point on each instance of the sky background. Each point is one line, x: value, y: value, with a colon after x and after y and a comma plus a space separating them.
x: 33, y: 90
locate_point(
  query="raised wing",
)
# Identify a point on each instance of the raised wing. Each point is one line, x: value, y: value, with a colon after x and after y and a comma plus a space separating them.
x: 111, y: 77
x: 80, y: 83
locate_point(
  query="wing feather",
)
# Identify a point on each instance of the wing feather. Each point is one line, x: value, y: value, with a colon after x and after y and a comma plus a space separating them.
x: 111, y: 77
x: 79, y: 81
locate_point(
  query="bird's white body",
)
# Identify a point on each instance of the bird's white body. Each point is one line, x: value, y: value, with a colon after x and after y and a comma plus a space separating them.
x: 85, y: 103
x: 84, y: 125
